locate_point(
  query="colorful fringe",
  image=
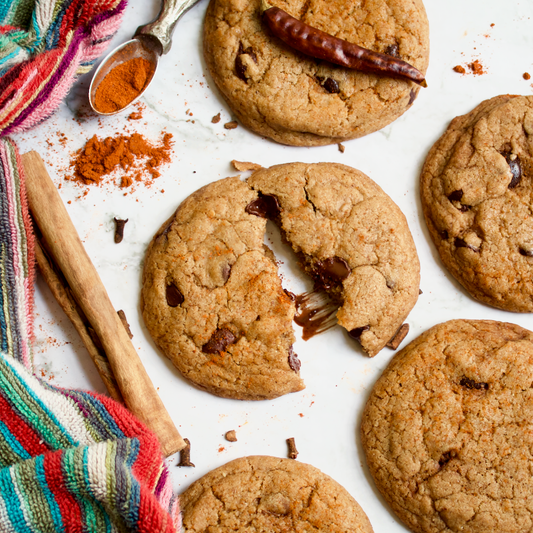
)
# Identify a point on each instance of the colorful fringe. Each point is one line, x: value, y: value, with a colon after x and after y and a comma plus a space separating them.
x: 44, y: 46
x: 70, y: 461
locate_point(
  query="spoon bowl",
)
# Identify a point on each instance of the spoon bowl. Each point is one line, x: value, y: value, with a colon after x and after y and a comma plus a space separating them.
x: 136, y: 48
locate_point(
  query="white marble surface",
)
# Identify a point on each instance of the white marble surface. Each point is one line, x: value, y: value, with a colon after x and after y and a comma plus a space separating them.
x: 325, y: 417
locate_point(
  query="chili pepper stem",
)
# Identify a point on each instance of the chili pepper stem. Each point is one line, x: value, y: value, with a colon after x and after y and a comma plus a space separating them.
x: 264, y: 6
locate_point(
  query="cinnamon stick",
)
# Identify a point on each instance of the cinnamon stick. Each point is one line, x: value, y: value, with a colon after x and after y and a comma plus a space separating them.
x: 67, y: 251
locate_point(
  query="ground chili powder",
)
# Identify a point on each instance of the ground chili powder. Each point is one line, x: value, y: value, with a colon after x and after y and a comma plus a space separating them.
x: 122, y: 85
x: 131, y: 153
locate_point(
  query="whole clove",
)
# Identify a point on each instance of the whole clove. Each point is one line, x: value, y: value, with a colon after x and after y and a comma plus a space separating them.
x: 119, y: 229
x: 293, y: 452
x: 185, y: 455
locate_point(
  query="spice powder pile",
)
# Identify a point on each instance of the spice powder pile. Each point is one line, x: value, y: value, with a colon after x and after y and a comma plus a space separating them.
x: 131, y: 153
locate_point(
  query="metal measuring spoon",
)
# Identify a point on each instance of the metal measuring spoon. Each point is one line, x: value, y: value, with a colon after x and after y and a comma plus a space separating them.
x: 150, y: 41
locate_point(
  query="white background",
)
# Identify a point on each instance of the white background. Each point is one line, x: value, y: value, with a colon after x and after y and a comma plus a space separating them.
x: 325, y: 417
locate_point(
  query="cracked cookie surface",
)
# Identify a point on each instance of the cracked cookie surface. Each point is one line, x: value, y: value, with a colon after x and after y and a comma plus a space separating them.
x: 477, y: 195
x: 447, y: 429
x: 287, y: 96
x: 261, y: 493
x: 212, y: 299
x: 336, y: 218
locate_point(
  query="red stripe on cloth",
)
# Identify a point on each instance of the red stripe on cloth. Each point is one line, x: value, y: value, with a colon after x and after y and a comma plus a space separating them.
x: 151, y: 515
x: 29, y: 439
x: 71, y: 513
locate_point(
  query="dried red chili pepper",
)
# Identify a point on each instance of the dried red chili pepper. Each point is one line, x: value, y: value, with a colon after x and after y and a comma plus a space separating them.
x: 322, y: 45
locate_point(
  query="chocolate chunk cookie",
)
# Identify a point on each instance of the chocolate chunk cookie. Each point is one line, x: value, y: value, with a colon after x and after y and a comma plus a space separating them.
x: 352, y: 239
x: 294, y: 99
x: 448, y: 431
x: 212, y: 299
x: 260, y: 493
x: 477, y: 195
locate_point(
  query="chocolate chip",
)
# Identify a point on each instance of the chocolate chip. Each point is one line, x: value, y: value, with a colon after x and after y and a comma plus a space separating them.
x: 240, y: 65
x: 174, y: 296
x: 412, y: 96
x: 357, y: 332
x: 526, y: 250
x: 294, y: 362
x: 471, y: 384
x: 461, y: 243
x: 219, y: 341
x: 393, y: 50
x: 266, y: 206
x: 516, y: 169
x: 447, y: 457
x: 226, y: 271
x: 443, y: 235
x: 331, y: 86
x: 456, y: 196
x: 330, y: 272
x: 398, y: 337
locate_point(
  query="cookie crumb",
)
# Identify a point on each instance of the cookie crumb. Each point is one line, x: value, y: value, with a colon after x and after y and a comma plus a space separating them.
x: 231, y: 125
x: 245, y: 165
x: 185, y: 455
x: 215, y: 119
x: 293, y: 452
x: 231, y: 436
x: 526, y: 75
x: 459, y: 69
x: 341, y: 148
x: 398, y: 337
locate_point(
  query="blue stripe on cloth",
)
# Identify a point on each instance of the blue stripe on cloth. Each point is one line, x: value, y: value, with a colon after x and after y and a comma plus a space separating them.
x: 50, y: 498
x: 13, y: 442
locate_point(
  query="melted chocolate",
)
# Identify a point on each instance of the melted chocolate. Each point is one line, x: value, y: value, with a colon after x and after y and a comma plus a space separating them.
x: 331, y: 272
x: 456, y: 196
x: 357, y: 332
x: 266, y: 206
x: 219, y: 341
x: 315, y: 313
x: 294, y: 362
x: 174, y: 296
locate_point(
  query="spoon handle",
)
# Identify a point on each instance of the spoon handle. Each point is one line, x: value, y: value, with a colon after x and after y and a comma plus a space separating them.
x: 159, y: 32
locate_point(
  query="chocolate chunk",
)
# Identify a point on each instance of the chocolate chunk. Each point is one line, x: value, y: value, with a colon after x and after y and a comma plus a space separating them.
x: 456, y: 196
x: 471, y: 384
x: 240, y: 65
x: 393, y: 50
x: 290, y: 294
x: 447, y: 457
x: 331, y: 86
x: 294, y: 362
x: 357, y: 332
x: 266, y: 206
x: 461, y: 243
x: 174, y: 296
x: 330, y: 272
x: 516, y: 169
x: 398, y: 337
x: 443, y: 235
x: 219, y: 341
x: 226, y: 271
x: 526, y: 250
x: 412, y: 96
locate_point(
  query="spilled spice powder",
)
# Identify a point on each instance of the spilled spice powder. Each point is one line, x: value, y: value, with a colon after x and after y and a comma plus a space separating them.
x: 476, y: 67
x: 131, y: 153
x: 122, y: 85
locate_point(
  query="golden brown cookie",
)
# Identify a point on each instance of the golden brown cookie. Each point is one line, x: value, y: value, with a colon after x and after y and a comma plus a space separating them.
x: 448, y: 433
x: 260, y: 493
x: 477, y: 193
x: 293, y: 99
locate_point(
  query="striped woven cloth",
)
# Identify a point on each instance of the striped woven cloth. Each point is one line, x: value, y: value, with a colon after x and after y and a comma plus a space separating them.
x: 70, y: 461
x: 44, y: 46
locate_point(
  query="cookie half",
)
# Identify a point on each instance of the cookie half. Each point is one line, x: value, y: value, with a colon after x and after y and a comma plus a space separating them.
x: 293, y: 99
x: 352, y: 239
x: 448, y: 433
x: 261, y: 493
x: 212, y: 299
x: 477, y: 195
